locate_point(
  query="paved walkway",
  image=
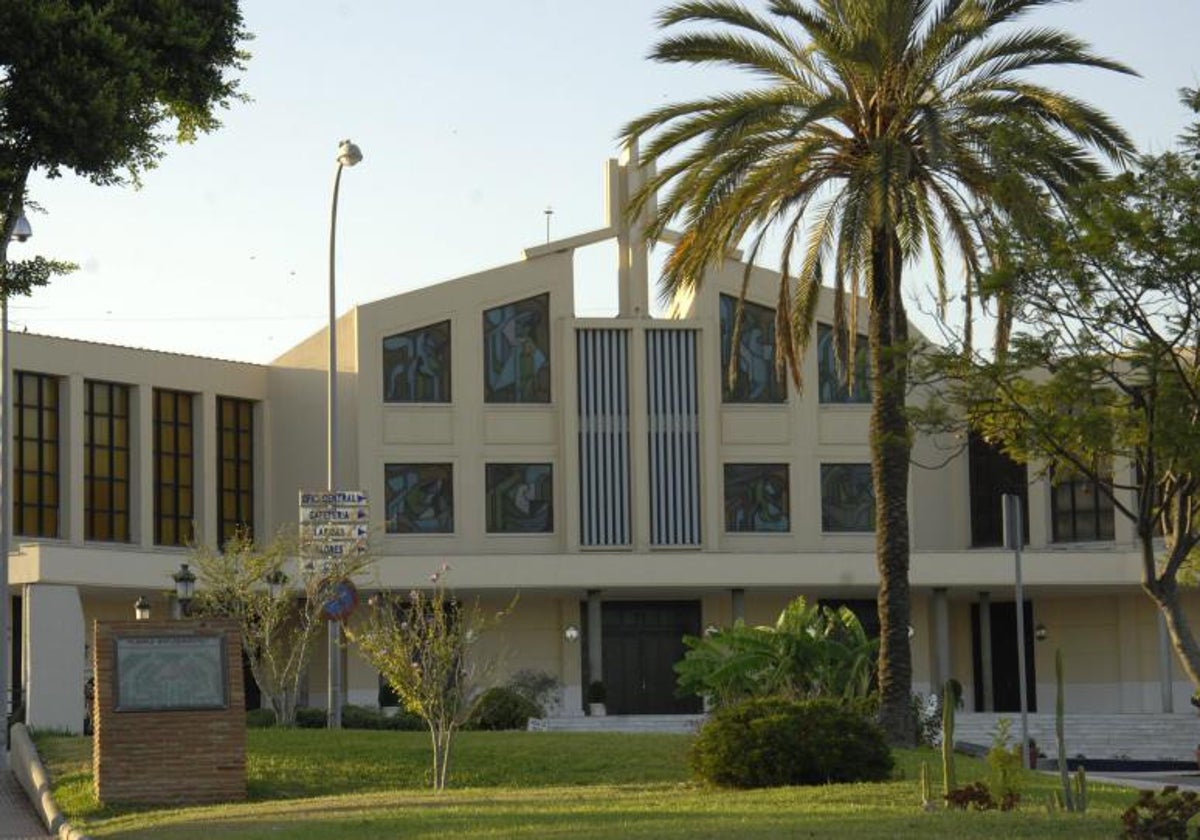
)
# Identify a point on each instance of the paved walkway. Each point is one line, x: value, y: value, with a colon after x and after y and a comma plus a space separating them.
x: 17, y: 818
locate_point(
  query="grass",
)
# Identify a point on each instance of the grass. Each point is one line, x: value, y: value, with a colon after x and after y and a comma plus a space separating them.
x: 317, y: 785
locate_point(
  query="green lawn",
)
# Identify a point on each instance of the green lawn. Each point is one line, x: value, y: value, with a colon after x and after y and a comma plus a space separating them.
x: 309, y: 784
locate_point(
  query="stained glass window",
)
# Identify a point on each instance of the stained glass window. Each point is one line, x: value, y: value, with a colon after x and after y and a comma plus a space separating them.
x: 420, y: 498
x: 847, y: 498
x: 516, y: 352
x: 757, y: 381
x: 416, y: 365
x: 756, y: 497
x: 831, y: 378
x: 520, y: 498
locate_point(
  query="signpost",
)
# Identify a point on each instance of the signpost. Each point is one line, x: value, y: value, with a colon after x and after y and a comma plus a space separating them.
x: 334, y: 526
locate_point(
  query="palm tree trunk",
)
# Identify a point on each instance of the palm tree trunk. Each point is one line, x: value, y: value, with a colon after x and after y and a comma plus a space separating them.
x: 890, y: 446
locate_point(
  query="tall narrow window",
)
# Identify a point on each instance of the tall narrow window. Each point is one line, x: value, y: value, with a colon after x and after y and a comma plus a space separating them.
x: 757, y: 380
x: 516, y: 352
x: 416, y: 365
x: 235, y: 467
x: 35, y: 454
x: 106, y: 462
x: 174, y: 468
x: 833, y: 384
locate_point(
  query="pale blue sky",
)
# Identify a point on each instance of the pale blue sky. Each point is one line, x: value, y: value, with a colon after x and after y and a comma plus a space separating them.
x: 472, y: 117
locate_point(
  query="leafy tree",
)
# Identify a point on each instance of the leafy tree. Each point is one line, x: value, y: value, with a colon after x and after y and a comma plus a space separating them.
x: 279, y: 630
x: 875, y: 135
x: 87, y: 85
x: 811, y: 652
x: 1102, y: 378
x: 424, y: 645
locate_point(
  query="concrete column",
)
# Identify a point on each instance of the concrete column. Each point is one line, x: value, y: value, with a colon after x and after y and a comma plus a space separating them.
x: 632, y: 263
x: 53, y: 648
x: 985, y: 650
x: 570, y: 663
x: 595, y: 637
x: 205, y: 469
x: 941, y: 637
x: 1165, y: 652
x: 738, y: 602
x: 70, y: 419
x: 141, y: 465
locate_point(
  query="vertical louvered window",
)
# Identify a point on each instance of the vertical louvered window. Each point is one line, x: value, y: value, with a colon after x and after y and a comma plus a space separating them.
x: 674, y: 437
x: 604, y: 437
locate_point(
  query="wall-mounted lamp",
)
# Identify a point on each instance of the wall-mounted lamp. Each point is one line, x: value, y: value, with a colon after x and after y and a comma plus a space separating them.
x: 712, y: 630
x: 1040, y: 632
x: 276, y: 584
x: 185, y: 588
x: 141, y: 608
x: 911, y: 631
x: 571, y: 633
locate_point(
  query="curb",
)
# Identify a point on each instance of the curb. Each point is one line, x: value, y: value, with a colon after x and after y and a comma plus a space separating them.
x: 30, y: 772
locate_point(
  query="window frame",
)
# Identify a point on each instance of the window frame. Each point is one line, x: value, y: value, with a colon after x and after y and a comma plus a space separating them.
x: 181, y: 522
x: 448, y: 368
x: 387, y: 468
x: 489, y: 528
x: 824, y: 466
x: 111, y: 521
x: 47, y: 481
x: 762, y: 466
x: 242, y: 491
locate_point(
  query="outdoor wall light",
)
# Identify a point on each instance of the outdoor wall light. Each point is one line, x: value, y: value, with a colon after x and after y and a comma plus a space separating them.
x: 571, y: 633
x: 185, y: 588
x: 276, y: 584
x: 712, y: 630
x: 141, y: 608
x: 1040, y: 632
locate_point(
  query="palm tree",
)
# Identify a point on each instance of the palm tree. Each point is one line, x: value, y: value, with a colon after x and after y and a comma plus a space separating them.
x: 882, y: 130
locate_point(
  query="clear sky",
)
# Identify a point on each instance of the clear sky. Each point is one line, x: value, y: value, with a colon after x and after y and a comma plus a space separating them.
x: 473, y: 118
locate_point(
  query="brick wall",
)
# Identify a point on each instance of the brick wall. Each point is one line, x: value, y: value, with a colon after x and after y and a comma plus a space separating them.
x: 172, y: 756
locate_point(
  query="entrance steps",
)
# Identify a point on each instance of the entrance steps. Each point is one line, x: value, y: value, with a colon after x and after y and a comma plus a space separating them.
x: 1157, y: 737
x: 618, y: 723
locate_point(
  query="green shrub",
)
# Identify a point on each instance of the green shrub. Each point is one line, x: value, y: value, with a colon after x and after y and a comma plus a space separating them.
x: 308, y: 718
x: 1164, y: 814
x: 260, y: 718
x: 774, y: 741
x: 502, y: 708
x: 365, y: 717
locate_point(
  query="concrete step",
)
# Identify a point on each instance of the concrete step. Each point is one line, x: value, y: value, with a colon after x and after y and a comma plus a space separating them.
x: 1158, y: 737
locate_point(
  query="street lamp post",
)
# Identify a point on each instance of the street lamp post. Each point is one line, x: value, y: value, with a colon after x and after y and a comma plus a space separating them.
x: 348, y: 155
x: 19, y: 233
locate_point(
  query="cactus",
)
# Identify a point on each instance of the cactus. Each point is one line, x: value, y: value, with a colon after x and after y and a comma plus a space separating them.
x: 1059, y: 732
x: 1081, y: 794
x: 949, y: 701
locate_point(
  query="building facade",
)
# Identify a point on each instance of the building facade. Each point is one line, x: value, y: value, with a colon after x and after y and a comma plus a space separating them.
x: 605, y: 470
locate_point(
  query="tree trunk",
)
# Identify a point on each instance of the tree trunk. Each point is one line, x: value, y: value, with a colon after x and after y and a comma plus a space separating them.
x: 890, y: 448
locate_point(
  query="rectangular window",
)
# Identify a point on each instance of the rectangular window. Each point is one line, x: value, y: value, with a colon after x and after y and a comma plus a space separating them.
x: 420, y: 498
x: 106, y: 461
x: 174, y: 467
x: 416, y: 365
x: 520, y: 499
x: 235, y: 468
x: 992, y: 473
x: 757, y: 380
x: 516, y: 352
x: 1080, y: 511
x: 847, y: 498
x: 35, y: 487
x: 832, y: 381
x: 756, y: 498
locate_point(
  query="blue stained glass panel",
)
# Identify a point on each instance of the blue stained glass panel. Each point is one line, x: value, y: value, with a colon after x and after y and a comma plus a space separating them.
x: 832, y: 383
x: 847, y: 498
x: 419, y: 498
x: 520, y: 498
x: 756, y: 498
x: 757, y: 381
x: 516, y: 352
x: 416, y: 365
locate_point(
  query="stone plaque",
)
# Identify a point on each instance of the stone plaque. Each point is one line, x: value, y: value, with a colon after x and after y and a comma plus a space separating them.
x: 161, y: 673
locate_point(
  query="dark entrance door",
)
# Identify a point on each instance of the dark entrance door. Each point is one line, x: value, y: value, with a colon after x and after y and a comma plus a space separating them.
x: 642, y: 642
x: 1005, y: 680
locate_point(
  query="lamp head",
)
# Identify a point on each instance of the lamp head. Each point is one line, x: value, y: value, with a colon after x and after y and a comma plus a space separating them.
x: 21, y: 230
x: 348, y: 153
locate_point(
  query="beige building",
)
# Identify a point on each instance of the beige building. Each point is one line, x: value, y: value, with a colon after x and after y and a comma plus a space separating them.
x: 602, y: 468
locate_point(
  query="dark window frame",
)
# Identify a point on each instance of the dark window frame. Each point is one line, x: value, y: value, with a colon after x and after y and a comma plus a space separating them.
x: 825, y: 467
x: 235, y: 500
x: 44, y: 508
x: 389, y: 524
x: 1102, y: 513
x: 764, y: 470
x: 389, y: 394
x: 175, y: 527
x: 520, y: 394
x: 491, y: 471
x: 107, y: 439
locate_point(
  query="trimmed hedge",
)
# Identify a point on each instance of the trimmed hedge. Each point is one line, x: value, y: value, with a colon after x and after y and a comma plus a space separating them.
x: 502, y: 708
x: 773, y: 742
